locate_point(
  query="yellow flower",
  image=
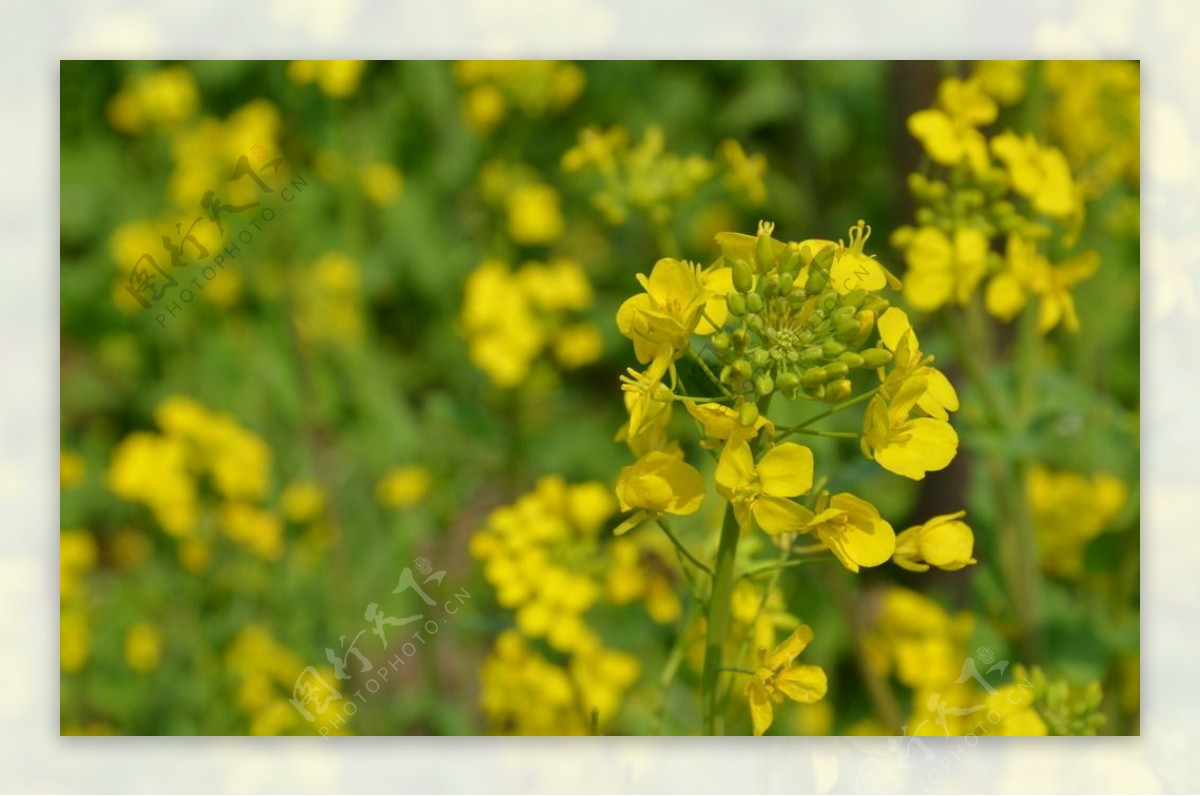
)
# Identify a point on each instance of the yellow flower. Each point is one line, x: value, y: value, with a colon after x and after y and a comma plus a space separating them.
x: 256, y: 529
x: 898, y: 336
x: 777, y: 676
x: 907, y: 446
x: 746, y: 172
x: 1040, y: 174
x: 1069, y: 511
x: 578, y: 345
x: 943, y: 269
x: 852, y: 529
x: 143, y: 647
x: 75, y: 641
x: 500, y: 325
x: 851, y: 268
x: 165, y: 98
x: 762, y: 490
x: 77, y: 555
x: 647, y: 399
x: 337, y: 79
x: 403, y: 487
x: 658, y: 483
x: 381, y: 182
x: 721, y: 422
x: 948, y: 132
x: 302, y: 501
x: 71, y: 469
x: 1003, y: 80
x: 944, y: 542
x: 534, y: 217
x: 666, y: 315
x: 1027, y: 272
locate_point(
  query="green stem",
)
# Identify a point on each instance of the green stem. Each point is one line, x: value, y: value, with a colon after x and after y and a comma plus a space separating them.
x: 777, y: 567
x: 822, y: 415
x: 815, y: 432
x: 683, y: 551
x: 736, y: 670
x: 699, y: 360
x: 718, y: 618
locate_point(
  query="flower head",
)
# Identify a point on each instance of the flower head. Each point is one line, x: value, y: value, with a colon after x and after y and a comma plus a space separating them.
x: 762, y: 490
x: 944, y: 542
x: 907, y: 446
x: 852, y: 530
x: 777, y: 676
x: 666, y: 315
x: 658, y: 483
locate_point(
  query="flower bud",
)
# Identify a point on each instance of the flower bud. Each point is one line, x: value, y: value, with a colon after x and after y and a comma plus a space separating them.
x: 763, y: 254
x: 876, y: 358
x: 836, y: 370
x: 741, y: 369
x: 743, y: 277
x: 761, y: 357
x: 845, y: 329
x: 851, y: 359
x: 832, y: 348
x: 721, y: 341
x: 788, y: 266
x: 747, y: 414
x: 811, y: 354
x: 785, y: 284
x: 754, y: 302
x: 813, y: 377
x: 787, y: 381
x: 816, y: 280
x: 736, y: 303
x: 764, y: 385
x: 770, y: 286
x: 837, y: 390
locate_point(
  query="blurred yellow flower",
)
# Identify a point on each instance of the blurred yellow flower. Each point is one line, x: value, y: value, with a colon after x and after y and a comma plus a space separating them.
x: 533, y: 87
x: 745, y: 172
x: 578, y: 345
x: 949, y: 132
x: 403, y: 487
x: 944, y: 542
x: 1004, y: 81
x: 1027, y: 272
x: 381, y: 182
x: 943, y: 269
x: 77, y: 555
x: 763, y: 490
x: 1069, y: 511
x: 778, y: 676
x: 143, y: 647
x: 164, y: 99
x: 1039, y: 173
x: 71, y: 469
x: 75, y: 640
x: 302, y: 501
x: 534, y: 217
x: 337, y: 79
x: 258, y: 530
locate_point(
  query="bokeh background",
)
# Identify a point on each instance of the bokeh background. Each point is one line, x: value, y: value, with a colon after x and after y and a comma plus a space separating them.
x: 424, y: 331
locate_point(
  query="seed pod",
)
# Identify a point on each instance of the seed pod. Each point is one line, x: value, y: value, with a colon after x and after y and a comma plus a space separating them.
x: 743, y: 277
x: 876, y: 358
x: 754, y: 302
x: 763, y: 253
x: 747, y: 414
x: 736, y: 303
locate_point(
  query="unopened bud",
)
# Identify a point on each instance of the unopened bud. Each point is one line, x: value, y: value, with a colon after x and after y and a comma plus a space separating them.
x: 754, y: 302
x: 813, y: 377
x: 736, y: 303
x: 764, y: 385
x: 743, y: 277
x: 851, y: 359
x: 763, y: 253
x: 747, y: 414
x: 837, y: 390
x: 836, y: 370
x: 787, y: 381
x: 785, y: 284
x: 832, y: 348
x: 876, y: 358
x: 741, y: 369
x: 816, y: 280
x: 720, y: 341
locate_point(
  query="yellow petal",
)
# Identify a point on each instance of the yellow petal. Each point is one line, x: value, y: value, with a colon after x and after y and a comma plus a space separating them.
x: 1005, y: 296
x: 939, y: 394
x: 761, y: 712
x: 736, y: 465
x: 786, y: 470
x: 869, y: 545
x: 947, y: 545
x: 893, y: 325
x: 779, y: 515
x: 805, y: 684
x: 852, y: 271
x: 931, y: 445
x: 790, y: 648
x: 687, y: 487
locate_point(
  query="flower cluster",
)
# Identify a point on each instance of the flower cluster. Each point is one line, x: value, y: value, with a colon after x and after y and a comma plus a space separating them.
x: 265, y: 671
x: 328, y: 304
x: 534, y: 88
x: 800, y: 320
x: 164, y: 471
x: 510, y: 318
x: 645, y: 178
x: 544, y: 557
x: 985, y: 188
x: 1069, y: 511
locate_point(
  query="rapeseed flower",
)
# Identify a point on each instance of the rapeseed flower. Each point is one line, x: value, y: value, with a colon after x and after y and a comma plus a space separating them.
x: 905, y: 445
x: 944, y: 542
x: 778, y: 676
x: 852, y: 530
x: 658, y: 483
x: 943, y: 268
x: 762, y: 490
x: 666, y: 315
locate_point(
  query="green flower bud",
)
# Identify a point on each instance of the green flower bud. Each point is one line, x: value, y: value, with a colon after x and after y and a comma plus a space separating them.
x: 813, y: 377
x: 844, y: 312
x: 854, y: 298
x: 741, y: 369
x: 811, y: 354
x: 764, y: 385
x: 836, y: 370
x: 754, y: 302
x: 743, y: 277
x: 736, y: 303
x: 747, y: 414
x: 816, y: 393
x: 787, y: 381
x: 876, y: 358
x: 763, y: 254
x: 761, y: 357
x: 755, y: 322
x: 785, y: 284
x: 721, y: 341
x: 739, y: 338
x: 788, y: 266
x: 845, y: 329
x: 851, y: 359
x: 838, y: 390
x: 832, y: 348
x: 770, y: 286
x: 816, y: 280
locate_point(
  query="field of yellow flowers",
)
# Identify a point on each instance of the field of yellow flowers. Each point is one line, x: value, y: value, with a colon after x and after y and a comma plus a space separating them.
x: 600, y: 398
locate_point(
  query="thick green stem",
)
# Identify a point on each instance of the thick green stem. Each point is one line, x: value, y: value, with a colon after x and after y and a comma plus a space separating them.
x: 719, y: 606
